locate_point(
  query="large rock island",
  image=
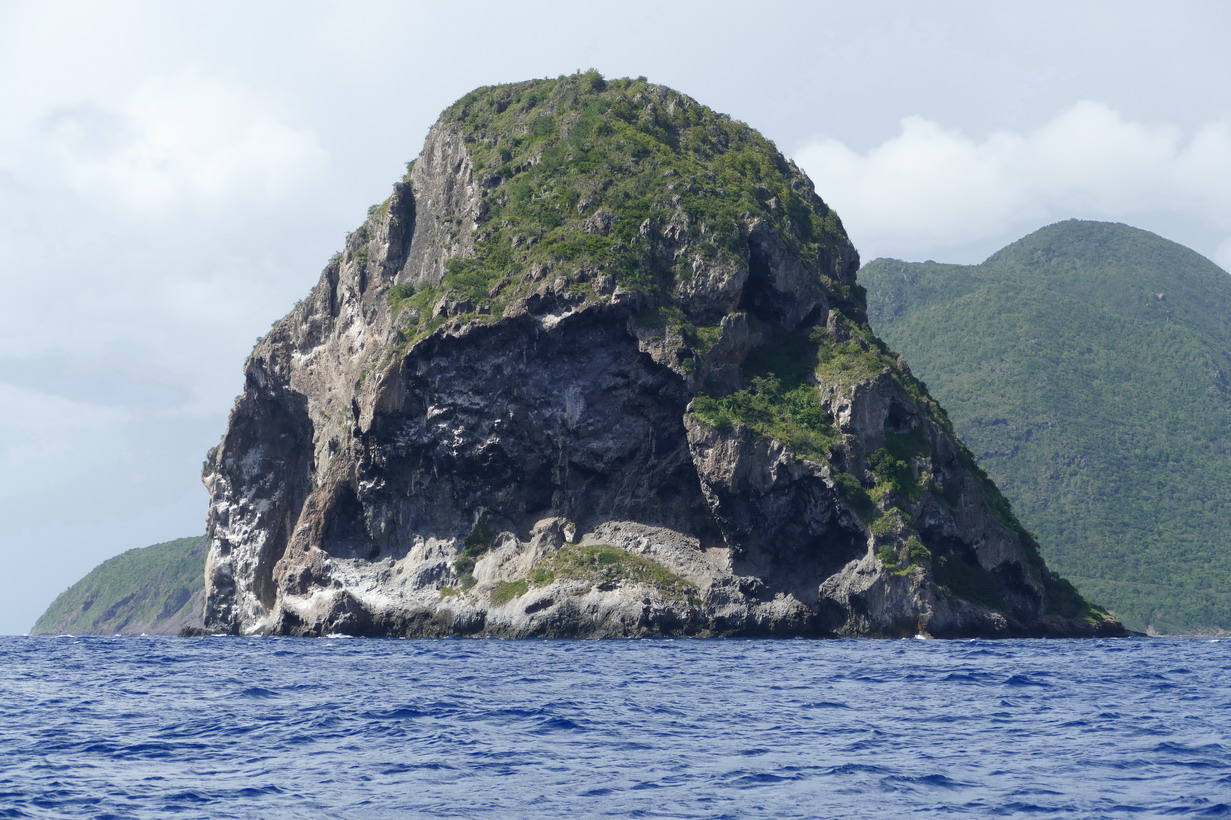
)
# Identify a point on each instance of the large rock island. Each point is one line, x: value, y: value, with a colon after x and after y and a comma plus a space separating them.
x: 599, y: 366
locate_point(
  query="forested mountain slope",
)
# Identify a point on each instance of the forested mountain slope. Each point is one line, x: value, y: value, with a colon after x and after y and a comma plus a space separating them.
x: 1087, y: 366
x: 156, y: 590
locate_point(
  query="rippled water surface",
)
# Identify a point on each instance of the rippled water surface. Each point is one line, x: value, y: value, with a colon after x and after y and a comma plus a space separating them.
x: 234, y: 727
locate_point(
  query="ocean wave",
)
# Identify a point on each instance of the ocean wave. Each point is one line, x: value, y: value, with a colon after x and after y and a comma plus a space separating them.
x: 298, y: 728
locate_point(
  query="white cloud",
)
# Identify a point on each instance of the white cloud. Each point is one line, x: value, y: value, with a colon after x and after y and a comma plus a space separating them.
x: 1222, y: 254
x: 146, y: 237
x: 43, y: 438
x: 178, y: 218
x: 932, y: 191
x: 180, y: 143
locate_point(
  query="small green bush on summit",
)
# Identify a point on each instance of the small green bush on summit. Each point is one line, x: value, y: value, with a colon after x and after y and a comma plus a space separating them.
x: 592, y: 81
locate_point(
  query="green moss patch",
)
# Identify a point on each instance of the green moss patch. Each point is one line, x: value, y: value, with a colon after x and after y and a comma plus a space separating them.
x: 542, y: 577
x: 852, y: 491
x: 477, y: 542
x: 795, y: 417
x: 506, y: 591
x: 901, y: 559
x: 893, y: 465
x: 781, y: 402
x: 860, y: 357
x: 549, y: 155
x: 399, y: 296
x: 598, y: 563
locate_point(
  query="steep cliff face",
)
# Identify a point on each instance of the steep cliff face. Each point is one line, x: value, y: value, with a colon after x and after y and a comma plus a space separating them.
x: 599, y: 367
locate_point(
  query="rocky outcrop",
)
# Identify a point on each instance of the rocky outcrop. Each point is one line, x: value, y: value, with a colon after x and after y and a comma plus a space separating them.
x: 599, y: 367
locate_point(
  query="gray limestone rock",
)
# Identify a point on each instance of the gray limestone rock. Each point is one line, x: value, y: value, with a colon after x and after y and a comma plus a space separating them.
x: 539, y: 456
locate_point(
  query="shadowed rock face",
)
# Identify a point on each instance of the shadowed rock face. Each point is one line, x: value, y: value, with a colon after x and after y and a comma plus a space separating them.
x: 542, y: 395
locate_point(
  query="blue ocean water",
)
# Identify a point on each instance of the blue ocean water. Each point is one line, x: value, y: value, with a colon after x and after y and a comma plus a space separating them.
x: 281, y: 727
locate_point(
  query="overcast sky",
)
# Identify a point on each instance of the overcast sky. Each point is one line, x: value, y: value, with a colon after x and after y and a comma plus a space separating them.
x: 173, y: 176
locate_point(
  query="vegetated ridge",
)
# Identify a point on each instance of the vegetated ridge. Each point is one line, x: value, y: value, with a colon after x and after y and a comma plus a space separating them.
x: 1087, y: 367
x: 599, y: 367
x: 156, y: 590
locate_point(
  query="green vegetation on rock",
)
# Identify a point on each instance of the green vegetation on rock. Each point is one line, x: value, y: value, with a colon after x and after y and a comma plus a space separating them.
x: 959, y: 579
x: 599, y: 563
x: 583, y: 176
x: 914, y: 554
x: 1087, y: 367
x: 477, y: 542
x: 154, y: 590
x: 506, y: 591
x: 781, y: 401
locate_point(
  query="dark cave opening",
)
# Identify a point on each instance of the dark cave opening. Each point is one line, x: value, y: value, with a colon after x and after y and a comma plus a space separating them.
x: 759, y: 298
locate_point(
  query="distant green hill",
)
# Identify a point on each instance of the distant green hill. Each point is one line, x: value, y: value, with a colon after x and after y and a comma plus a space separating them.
x: 1087, y: 367
x: 153, y: 590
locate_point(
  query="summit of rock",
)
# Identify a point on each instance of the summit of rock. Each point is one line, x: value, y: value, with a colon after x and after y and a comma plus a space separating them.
x: 599, y: 367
